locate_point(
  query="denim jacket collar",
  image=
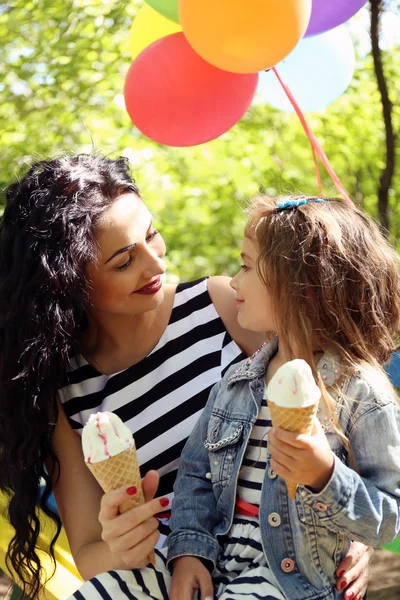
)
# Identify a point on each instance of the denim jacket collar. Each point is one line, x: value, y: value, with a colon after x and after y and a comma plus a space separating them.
x: 254, y: 367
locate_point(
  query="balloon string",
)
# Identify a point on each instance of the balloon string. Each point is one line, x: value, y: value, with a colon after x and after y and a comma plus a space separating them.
x: 315, y: 145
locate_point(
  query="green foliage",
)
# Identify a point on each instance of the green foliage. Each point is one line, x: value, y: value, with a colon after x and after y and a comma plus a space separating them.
x: 62, y: 69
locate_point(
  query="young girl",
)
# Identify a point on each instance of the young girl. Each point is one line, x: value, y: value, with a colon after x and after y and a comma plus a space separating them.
x: 319, y: 274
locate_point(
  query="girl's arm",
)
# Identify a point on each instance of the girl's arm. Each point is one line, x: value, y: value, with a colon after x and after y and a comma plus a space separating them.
x: 194, y: 514
x: 365, y: 503
x: 80, y: 500
x: 223, y: 298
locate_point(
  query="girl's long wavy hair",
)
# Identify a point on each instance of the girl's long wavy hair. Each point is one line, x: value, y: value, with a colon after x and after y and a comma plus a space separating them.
x: 334, y: 280
x: 46, y: 240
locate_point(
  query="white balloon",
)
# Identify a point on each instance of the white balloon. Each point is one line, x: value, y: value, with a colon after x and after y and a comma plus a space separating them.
x: 317, y: 72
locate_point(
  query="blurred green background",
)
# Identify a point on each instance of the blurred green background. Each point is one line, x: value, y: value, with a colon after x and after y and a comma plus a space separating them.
x: 62, y: 69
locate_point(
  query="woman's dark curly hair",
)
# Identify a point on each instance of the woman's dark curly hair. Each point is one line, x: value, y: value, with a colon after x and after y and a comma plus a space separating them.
x: 46, y: 240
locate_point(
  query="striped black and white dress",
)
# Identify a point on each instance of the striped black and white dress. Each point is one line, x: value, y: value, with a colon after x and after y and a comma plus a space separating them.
x: 160, y: 398
x: 242, y: 571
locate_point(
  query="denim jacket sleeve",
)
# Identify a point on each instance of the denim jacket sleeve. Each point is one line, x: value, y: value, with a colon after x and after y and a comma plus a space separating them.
x: 194, y: 513
x: 365, y: 503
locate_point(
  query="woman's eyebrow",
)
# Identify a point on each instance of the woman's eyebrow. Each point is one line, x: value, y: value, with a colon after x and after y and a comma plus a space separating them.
x: 120, y: 251
x: 127, y: 248
x: 246, y: 256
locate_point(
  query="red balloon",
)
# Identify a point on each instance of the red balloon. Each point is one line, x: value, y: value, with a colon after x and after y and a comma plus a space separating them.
x: 175, y: 97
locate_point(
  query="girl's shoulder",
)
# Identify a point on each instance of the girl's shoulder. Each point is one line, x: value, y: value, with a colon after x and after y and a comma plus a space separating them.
x: 370, y: 388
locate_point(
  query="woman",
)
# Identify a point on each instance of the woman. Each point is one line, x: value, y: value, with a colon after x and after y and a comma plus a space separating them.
x: 86, y: 324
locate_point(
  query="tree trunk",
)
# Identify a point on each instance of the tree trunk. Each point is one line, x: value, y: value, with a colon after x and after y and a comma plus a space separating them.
x: 388, y: 172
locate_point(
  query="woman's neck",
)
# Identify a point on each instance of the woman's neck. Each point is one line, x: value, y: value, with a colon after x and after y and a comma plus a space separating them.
x: 112, y: 343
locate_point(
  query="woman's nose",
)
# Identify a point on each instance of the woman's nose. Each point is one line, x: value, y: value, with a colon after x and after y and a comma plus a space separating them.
x: 155, y: 265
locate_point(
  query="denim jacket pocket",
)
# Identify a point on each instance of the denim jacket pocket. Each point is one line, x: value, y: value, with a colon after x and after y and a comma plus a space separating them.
x: 223, y: 443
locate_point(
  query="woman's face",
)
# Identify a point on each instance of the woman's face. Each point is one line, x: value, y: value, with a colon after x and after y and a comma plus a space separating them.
x: 125, y: 280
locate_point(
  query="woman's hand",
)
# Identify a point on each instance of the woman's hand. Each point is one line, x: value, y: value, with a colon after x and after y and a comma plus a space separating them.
x: 190, y: 574
x: 353, y: 571
x: 132, y: 536
x: 302, y: 458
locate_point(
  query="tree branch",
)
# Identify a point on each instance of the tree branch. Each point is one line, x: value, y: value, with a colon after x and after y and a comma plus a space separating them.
x: 388, y: 171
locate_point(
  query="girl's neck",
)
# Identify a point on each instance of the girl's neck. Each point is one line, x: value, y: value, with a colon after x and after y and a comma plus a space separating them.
x: 281, y: 357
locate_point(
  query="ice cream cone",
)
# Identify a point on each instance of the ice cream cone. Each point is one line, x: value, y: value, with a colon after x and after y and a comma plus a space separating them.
x: 298, y: 420
x: 116, y: 471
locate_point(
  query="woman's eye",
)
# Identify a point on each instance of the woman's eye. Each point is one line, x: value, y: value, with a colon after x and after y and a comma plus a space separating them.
x: 244, y: 268
x: 151, y: 235
x: 125, y: 265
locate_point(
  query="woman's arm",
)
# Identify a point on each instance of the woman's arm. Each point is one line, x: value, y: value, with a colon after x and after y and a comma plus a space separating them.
x: 223, y: 298
x: 89, y: 515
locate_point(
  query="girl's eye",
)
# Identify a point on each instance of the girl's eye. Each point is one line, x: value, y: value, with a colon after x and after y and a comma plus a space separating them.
x: 151, y: 235
x: 126, y: 265
x: 244, y: 268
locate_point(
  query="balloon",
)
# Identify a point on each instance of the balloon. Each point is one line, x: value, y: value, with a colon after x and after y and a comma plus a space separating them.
x: 327, y: 14
x: 244, y: 36
x: 176, y: 98
x: 168, y: 8
x: 317, y: 72
x: 147, y: 27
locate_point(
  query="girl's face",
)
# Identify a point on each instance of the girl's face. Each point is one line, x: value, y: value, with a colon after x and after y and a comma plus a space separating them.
x: 125, y: 279
x: 253, y: 300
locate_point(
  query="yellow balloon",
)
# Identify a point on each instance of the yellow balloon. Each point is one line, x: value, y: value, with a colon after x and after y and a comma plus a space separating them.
x: 147, y: 27
x: 244, y: 36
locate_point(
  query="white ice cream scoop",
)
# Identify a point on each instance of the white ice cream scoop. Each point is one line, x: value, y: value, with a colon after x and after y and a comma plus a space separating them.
x: 104, y: 436
x: 293, y: 385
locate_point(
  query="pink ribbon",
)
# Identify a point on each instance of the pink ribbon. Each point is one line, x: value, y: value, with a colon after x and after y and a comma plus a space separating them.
x: 315, y: 145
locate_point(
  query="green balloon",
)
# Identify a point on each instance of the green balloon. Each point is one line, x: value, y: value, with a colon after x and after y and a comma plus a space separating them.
x: 168, y: 8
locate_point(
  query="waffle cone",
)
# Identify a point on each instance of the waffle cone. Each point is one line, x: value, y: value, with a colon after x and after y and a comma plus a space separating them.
x: 297, y: 420
x: 117, y: 471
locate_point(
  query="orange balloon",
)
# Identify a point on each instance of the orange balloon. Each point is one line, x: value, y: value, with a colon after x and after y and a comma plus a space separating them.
x: 244, y: 36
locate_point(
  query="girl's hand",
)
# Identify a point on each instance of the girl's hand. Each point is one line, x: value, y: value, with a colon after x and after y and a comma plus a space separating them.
x: 353, y: 571
x: 302, y: 458
x: 132, y: 536
x: 190, y: 574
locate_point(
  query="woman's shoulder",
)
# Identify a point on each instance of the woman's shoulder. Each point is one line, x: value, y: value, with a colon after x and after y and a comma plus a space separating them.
x: 223, y: 298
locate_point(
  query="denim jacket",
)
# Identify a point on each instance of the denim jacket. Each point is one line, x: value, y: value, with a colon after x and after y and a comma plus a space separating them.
x: 303, y: 539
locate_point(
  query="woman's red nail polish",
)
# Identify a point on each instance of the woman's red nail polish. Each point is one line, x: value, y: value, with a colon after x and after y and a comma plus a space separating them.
x: 164, y: 502
x: 341, y: 573
x: 343, y: 585
x: 132, y: 490
x: 350, y: 596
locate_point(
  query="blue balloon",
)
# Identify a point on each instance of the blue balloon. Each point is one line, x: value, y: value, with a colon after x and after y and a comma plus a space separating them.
x: 393, y: 369
x: 317, y: 72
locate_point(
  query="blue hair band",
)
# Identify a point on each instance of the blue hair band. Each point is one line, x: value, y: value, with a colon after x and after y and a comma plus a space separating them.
x: 295, y: 202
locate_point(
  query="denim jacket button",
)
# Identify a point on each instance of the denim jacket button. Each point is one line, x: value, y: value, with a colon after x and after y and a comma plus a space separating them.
x: 271, y: 473
x: 320, y: 506
x: 287, y: 565
x: 216, y: 462
x: 208, y: 475
x: 274, y: 519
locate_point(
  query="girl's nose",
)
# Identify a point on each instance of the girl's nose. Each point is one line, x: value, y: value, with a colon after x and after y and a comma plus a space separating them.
x: 233, y: 283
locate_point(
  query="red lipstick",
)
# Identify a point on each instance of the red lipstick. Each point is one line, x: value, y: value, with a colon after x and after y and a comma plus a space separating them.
x: 150, y: 288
